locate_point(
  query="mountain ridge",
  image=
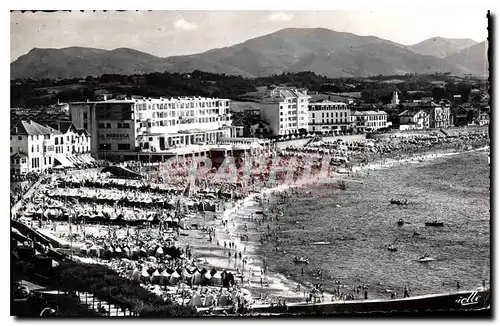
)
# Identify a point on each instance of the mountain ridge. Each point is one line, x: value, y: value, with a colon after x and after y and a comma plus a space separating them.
x: 319, y: 50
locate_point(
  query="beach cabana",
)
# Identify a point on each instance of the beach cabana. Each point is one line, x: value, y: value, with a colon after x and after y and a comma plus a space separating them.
x: 195, y: 300
x: 118, y: 252
x: 165, y: 278
x: 223, y: 299
x: 155, y: 278
x: 145, y: 277
x: 94, y: 251
x: 196, y: 278
x: 209, y: 300
x: 217, y: 279
x: 174, y: 278
x: 206, y: 278
x: 136, y: 275
x: 159, y: 252
x: 84, y: 250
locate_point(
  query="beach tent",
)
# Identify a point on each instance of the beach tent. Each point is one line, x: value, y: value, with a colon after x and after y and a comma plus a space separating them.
x: 145, y: 275
x: 195, y: 300
x: 126, y: 252
x: 206, y: 278
x: 84, y: 250
x: 94, y: 251
x: 209, y: 300
x: 134, y: 253
x: 217, y: 279
x: 165, y: 277
x: 223, y: 299
x: 174, y: 278
x: 119, y: 252
x: 196, y: 278
x: 185, y: 275
x: 136, y: 275
x: 155, y: 279
x: 159, y: 251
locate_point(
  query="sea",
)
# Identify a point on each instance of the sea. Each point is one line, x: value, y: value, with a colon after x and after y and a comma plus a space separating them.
x: 353, y: 228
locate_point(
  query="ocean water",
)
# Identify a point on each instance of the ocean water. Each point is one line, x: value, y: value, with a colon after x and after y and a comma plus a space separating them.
x: 454, y: 190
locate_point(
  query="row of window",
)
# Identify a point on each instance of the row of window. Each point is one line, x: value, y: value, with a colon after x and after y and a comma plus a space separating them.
x: 120, y: 147
x: 19, y: 161
x: 191, y: 105
x: 327, y: 107
x: 172, y: 113
x: 124, y: 125
x: 328, y: 115
x: 375, y: 124
x: 330, y: 121
x: 35, y: 162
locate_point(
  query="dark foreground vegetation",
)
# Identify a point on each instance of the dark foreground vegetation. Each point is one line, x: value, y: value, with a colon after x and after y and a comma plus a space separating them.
x: 34, y: 93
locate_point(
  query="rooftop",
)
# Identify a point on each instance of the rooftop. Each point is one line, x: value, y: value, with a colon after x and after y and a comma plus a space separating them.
x: 31, y: 128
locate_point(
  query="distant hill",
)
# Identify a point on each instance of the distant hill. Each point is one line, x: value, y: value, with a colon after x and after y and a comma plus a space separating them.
x: 323, y: 51
x: 473, y: 59
x: 82, y: 62
x: 442, y: 47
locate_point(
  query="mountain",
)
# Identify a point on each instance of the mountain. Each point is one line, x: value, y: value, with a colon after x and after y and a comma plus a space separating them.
x: 319, y: 50
x: 82, y: 62
x: 473, y: 59
x: 442, y: 47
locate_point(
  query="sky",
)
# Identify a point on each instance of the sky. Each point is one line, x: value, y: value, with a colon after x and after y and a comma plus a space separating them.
x: 167, y: 33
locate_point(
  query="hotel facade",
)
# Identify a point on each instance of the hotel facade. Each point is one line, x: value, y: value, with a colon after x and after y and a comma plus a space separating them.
x: 326, y: 116
x: 122, y: 129
x: 285, y: 109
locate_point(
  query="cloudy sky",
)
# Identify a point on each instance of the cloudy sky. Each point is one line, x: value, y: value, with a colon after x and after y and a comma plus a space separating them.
x: 166, y: 33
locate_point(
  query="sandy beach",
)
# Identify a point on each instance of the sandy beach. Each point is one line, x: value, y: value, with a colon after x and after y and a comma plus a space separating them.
x: 240, y: 213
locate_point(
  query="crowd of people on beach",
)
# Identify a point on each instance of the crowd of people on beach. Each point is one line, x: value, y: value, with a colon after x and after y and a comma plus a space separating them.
x: 150, y: 253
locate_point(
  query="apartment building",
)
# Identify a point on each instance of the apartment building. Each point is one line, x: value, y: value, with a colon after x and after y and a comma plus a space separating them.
x: 326, y: 116
x: 120, y: 129
x: 414, y: 119
x: 285, y: 109
x: 369, y: 120
x: 31, y: 147
x: 35, y: 147
x: 439, y: 114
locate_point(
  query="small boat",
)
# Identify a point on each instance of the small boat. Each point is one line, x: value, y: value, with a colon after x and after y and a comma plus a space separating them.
x: 392, y: 248
x: 435, y: 223
x: 425, y: 259
x: 401, y: 222
x: 301, y: 260
x: 399, y: 201
x: 344, y: 238
x: 320, y: 243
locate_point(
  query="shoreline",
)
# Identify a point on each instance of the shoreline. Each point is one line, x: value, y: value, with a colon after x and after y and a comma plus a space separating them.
x: 286, y: 285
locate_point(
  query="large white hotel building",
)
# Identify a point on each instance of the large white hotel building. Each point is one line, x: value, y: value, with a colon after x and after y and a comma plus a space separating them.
x: 122, y: 129
x: 285, y: 109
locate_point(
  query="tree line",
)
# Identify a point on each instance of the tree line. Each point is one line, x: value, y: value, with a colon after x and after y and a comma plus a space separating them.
x: 34, y: 93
